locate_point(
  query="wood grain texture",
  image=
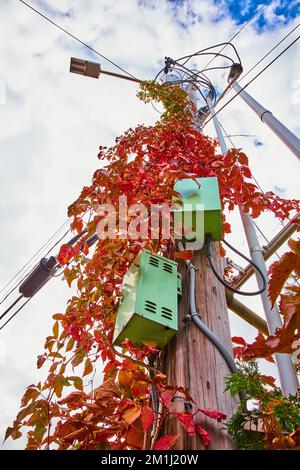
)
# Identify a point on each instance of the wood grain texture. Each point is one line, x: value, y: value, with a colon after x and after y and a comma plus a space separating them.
x: 192, y: 361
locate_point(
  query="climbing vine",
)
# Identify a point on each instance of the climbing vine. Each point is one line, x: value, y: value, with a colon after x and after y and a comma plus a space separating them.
x: 273, y: 420
x: 77, y: 407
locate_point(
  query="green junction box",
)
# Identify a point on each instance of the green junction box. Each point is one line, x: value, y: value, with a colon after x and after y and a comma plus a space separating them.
x: 206, y: 193
x: 148, y: 310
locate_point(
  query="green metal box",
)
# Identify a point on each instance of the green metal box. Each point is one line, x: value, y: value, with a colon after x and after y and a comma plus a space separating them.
x: 148, y: 311
x: 206, y: 193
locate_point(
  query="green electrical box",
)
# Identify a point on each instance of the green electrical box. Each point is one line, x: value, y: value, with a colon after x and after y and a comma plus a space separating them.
x: 148, y: 310
x: 205, y: 193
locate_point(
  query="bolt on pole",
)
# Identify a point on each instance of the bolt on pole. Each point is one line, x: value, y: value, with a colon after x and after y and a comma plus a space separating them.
x: 286, y: 370
x: 284, y: 134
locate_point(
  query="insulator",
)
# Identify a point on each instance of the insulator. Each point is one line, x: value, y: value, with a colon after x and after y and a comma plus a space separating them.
x: 39, y: 276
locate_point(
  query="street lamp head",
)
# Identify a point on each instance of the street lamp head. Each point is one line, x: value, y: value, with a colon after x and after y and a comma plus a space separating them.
x: 85, y: 67
x: 235, y: 71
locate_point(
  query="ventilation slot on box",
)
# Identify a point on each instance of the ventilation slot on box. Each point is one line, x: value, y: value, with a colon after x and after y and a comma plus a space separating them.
x: 150, y: 306
x: 168, y: 267
x: 154, y: 261
x: 166, y: 313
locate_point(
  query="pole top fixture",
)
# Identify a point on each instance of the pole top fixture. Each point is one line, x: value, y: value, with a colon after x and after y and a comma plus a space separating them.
x: 235, y: 71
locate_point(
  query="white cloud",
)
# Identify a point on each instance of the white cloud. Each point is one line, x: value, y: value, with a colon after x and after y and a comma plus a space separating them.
x: 52, y: 123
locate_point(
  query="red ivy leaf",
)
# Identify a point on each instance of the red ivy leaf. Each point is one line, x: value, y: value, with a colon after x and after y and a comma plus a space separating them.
x: 166, y: 442
x: 268, y: 379
x: 213, y: 413
x: 238, y: 340
x: 203, y: 434
x: 147, y: 417
x: 65, y: 254
x: 167, y: 398
x: 187, y: 421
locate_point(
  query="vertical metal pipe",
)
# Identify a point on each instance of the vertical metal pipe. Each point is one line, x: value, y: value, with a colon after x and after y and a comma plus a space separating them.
x: 284, y: 134
x: 286, y: 370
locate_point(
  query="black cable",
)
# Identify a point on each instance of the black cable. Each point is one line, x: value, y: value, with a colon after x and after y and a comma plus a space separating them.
x: 254, y: 78
x: 90, y: 241
x: 201, y: 52
x: 268, y: 53
x: 7, y: 321
x: 155, y: 398
x: 28, y: 273
x: 237, y: 33
x: 35, y: 256
x: 263, y: 192
x: 11, y: 306
x: 76, y: 38
x: 225, y: 284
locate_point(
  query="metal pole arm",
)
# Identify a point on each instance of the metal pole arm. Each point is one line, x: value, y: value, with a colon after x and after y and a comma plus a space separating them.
x: 284, y: 134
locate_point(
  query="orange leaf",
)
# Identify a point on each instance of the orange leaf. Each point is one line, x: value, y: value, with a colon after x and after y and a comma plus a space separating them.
x: 88, y: 367
x: 135, y: 438
x: 280, y: 272
x: 132, y: 413
x: 125, y: 378
x: 186, y: 254
x: 295, y: 246
x: 55, y: 330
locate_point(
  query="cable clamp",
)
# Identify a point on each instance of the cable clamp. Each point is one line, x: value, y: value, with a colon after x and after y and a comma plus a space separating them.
x: 187, y: 404
x: 195, y: 314
x: 186, y: 318
x: 192, y: 266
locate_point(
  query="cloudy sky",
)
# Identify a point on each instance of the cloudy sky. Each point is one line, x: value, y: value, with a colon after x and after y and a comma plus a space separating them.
x: 52, y: 122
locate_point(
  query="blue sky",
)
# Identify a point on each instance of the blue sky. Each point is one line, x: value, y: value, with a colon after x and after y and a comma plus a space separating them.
x: 242, y: 10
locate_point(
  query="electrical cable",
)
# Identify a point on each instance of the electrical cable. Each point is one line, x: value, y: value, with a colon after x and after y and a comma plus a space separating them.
x: 221, y: 280
x: 90, y: 241
x: 20, y: 308
x: 19, y: 281
x: 268, y: 53
x: 199, y: 323
x: 226, y: 91
x: 237, y: 33
x: 36, y: 254
x: 263, y: 192
x: 154, y: 394
x: 252, y: 80
x: 76, y: 38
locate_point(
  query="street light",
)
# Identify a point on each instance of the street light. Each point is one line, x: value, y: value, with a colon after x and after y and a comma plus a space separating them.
x: 93, y: 69
x: 85, y: 67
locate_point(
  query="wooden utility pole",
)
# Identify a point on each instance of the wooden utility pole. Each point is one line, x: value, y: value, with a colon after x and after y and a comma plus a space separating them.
x: 191, y: 360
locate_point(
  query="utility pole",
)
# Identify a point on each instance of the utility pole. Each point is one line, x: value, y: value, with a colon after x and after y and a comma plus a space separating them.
x: 286, y: 370
x: 284, y: 134
x: 191, y: 360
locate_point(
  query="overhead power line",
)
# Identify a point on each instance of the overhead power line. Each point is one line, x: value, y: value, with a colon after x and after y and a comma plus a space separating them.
x: 236, y: 34
x: 23, y: 272
x: 252, y: 80
x: 268, y: 53
x: 76, y: 38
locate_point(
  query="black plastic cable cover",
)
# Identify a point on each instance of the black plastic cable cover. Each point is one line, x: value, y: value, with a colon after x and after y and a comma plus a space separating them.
x: 220, y: 279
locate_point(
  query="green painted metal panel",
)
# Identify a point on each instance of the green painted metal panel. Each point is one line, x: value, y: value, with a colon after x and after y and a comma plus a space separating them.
x: 148, y: 310
x: 205, y: 192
